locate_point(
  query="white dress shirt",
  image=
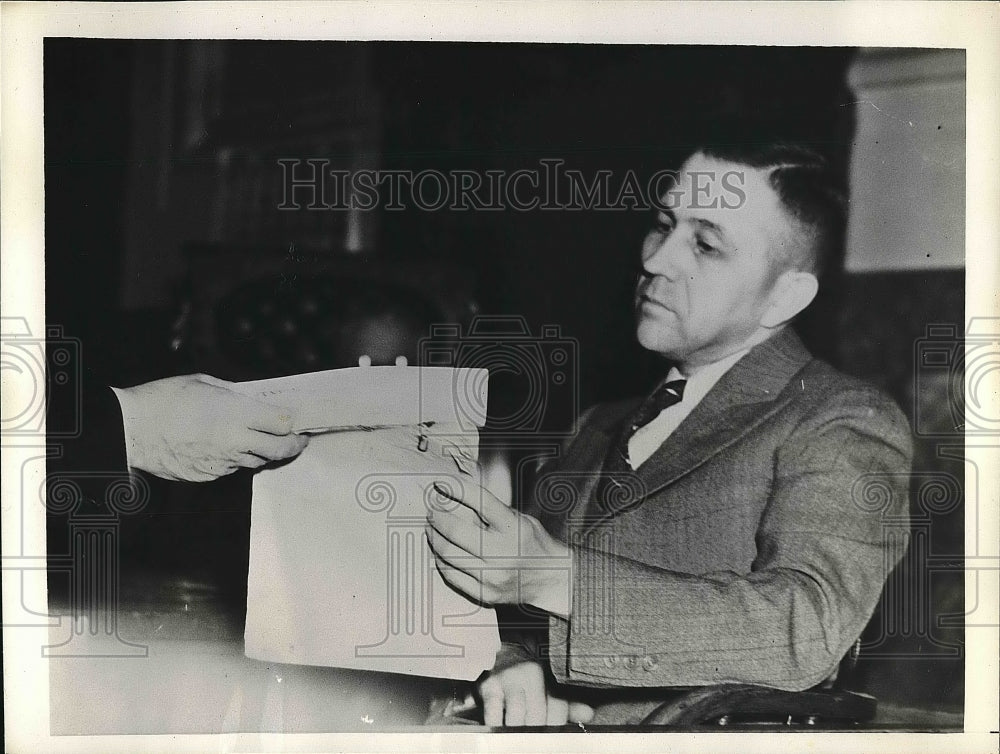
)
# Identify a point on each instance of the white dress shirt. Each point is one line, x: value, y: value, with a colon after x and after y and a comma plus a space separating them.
x: 648, y: 438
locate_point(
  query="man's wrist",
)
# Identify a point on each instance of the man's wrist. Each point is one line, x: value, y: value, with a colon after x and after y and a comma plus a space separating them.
x: 127, y: 405
x: 554, y: 588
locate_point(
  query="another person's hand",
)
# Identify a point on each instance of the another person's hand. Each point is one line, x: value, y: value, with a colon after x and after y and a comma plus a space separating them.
x: 496, y: 555
x: 516, y: 696
x: 195, y: 428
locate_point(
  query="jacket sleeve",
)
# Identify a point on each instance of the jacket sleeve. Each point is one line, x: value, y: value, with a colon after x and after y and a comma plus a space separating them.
x: 834, y: 526
x: 85, y: 468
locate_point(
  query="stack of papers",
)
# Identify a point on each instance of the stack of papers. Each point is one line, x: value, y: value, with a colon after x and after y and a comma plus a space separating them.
x: 340, y: 571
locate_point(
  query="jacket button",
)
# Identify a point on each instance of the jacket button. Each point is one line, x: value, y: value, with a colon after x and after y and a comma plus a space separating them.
x: 649, y: 663
x: 629, y: 662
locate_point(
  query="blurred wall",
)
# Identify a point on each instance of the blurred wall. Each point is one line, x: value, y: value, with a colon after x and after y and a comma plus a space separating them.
x: 902, y: 298
x: 907, y: 169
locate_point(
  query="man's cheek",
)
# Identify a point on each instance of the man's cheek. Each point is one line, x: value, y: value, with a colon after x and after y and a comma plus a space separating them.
x: 655, y: 332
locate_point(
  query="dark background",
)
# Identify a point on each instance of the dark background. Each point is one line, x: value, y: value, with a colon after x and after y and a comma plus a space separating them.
x: 446, y: 106
x: 128, y: 244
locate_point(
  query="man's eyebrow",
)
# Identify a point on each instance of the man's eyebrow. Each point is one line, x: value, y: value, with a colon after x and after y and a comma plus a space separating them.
x: 701, y: 222
x: 709, y: 225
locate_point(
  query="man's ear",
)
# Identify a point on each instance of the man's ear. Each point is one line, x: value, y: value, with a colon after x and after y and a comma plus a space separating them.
x: 792, y: 292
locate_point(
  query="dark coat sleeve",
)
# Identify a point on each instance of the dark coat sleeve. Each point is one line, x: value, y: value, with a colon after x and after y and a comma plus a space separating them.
x: 87, y: 466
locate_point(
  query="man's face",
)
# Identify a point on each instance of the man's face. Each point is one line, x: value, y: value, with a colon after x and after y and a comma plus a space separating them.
x: 708, y: 270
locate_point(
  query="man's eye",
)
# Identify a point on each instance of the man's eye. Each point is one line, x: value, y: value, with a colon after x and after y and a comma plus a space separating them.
x: 664, y: 225
x: 704, y: 247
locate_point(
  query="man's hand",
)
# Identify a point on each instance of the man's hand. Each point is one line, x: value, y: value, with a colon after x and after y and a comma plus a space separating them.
x: 498, y: 556
x: 195, y: 428
x: 516, y: 696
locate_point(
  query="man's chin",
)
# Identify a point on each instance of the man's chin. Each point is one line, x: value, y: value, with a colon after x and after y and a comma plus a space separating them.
x: 657, y: 341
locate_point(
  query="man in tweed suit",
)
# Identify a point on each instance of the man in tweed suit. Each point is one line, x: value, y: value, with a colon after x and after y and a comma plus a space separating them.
x: 722, y: 530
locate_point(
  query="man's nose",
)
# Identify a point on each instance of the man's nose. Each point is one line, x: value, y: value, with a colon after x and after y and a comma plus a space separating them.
x: 661, y: 255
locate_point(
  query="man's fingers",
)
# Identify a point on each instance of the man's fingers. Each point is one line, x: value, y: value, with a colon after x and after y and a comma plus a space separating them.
x: 205, y: 469
x: 250, y: 461
x: 557, y: 711
x: 516, y: 706
x: 460, y: 526
x: 534, y: 702
x: 579, y: 712
x: 273, y: 447
x: 490, y: 509
x: 452, y: 554
x: 255, y: 414
x: 459, y: 580
x: 492, y: 694
x: 264, y: 417
x: 514, y: 696
x: 493, y: 510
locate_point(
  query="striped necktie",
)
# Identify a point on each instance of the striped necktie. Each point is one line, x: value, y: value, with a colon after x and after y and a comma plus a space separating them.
x: 618, y: 488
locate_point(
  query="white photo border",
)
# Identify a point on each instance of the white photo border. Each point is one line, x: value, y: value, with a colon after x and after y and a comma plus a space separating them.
x: 972, y: 26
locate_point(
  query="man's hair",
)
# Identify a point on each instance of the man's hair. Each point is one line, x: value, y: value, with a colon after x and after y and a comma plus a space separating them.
x: 809, y: 192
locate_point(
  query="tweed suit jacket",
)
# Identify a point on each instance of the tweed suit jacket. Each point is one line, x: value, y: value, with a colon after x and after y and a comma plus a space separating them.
x: 751, y: 547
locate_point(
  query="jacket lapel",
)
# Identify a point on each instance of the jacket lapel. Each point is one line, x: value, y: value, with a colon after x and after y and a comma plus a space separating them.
x: 743, y: 398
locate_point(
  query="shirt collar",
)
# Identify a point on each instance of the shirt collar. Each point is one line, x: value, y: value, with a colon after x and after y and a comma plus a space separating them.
x: 699, y: 383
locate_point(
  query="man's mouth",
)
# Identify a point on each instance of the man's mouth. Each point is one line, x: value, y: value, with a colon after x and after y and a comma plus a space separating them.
x: 646, y: 300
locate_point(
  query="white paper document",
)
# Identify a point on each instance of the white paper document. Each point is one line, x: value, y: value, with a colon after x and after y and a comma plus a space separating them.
x: 340, y: 571
x: 378, y: 396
